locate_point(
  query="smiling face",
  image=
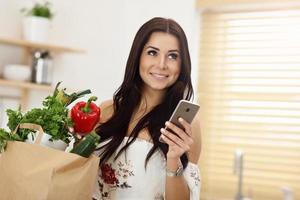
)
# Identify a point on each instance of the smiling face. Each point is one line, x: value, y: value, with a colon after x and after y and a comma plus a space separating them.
x: 160, y: 62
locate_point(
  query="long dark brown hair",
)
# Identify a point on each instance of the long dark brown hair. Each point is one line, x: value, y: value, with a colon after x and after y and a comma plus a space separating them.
x: 128, y: 96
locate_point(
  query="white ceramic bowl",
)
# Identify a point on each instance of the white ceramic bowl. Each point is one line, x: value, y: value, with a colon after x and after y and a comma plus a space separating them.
x: 17, y: 72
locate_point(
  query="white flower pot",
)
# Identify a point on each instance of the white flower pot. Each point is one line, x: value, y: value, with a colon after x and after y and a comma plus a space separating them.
x: 56, y: 144
x: 36, y: 29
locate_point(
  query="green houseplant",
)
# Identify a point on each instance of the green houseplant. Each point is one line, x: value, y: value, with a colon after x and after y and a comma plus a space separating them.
x: 37, y: 22
x: 39, y: 10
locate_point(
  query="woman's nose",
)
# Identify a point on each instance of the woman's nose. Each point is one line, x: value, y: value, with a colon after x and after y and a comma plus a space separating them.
x: 162, y: 62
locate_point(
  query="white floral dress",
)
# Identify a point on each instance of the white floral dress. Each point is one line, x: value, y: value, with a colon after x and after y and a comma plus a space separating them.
x: 127, y: 178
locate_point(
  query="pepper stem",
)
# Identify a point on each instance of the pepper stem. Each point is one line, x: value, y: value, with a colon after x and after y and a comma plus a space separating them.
x: 86, y: 108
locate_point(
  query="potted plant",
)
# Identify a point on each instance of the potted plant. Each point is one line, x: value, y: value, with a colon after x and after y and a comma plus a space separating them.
x: 37, y: 21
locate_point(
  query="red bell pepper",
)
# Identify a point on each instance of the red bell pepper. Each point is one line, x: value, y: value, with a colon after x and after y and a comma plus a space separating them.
x: 85, y: 116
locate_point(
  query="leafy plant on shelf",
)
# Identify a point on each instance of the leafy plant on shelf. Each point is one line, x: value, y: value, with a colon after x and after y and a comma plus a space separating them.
x: 52, y: 117
x: 39, y: 10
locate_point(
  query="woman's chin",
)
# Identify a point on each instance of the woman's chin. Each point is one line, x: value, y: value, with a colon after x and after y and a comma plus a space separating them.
x: 159, y: 88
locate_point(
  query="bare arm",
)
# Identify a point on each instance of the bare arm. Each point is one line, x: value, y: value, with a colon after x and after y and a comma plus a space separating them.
x: 189, y: 141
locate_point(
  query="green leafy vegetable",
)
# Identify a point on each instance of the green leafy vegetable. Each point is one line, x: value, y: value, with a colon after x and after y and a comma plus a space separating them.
x: 52, y: 117
x: 6, y: 136
x: 65, y: 98
x: 14, y: 117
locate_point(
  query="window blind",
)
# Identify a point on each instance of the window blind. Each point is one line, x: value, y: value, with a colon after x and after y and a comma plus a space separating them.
x: 249, y: 91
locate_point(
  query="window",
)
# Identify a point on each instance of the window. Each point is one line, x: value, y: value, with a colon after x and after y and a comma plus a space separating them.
x: 249, y: 92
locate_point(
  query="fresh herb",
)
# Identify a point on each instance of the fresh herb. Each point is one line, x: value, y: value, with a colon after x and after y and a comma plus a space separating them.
x: 52, y: 117
x: 14, y: 117
x: 6, y: 136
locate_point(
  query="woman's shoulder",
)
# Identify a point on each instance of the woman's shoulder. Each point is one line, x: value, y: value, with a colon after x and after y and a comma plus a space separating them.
x: 107, y: 110
x: 106, y: 103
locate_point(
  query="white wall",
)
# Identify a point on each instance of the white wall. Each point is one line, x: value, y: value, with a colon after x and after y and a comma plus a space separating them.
x: 105, y: 29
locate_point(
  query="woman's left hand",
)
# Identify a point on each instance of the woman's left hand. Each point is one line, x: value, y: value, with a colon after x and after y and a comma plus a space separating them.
x: 180, y: 143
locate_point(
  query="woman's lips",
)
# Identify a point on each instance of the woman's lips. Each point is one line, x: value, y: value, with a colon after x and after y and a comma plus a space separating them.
x: 159, y: 76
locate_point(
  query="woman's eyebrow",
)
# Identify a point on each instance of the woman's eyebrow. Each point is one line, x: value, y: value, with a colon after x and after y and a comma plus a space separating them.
x: 173, y: 50
x: 153, y: 48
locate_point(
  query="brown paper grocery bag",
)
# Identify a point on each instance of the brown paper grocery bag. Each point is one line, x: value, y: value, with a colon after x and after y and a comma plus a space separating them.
x: 34, y: 172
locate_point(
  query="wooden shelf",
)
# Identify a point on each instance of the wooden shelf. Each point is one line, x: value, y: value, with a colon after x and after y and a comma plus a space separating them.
x: 24, y: 89
x: 36, y: 45
x: 24, y: 85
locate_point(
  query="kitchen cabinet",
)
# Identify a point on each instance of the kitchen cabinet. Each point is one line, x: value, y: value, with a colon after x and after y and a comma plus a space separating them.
x: 29, y: 47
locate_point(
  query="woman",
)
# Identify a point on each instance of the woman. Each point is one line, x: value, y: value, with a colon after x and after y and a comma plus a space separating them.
x: 134, y: 164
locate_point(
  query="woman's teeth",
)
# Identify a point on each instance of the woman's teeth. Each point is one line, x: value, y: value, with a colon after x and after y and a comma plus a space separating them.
x: 159, y: 75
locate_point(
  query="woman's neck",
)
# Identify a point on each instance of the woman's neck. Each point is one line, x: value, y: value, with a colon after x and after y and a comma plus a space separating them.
x: 150, y: 99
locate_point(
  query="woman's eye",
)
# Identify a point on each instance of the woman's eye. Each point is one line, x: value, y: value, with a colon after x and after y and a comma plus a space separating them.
x: 152, y: 53
x: 173, y: 56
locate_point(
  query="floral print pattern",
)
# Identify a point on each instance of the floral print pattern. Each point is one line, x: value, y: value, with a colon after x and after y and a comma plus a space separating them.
x: 194, y: 174
x: 111, y: 179
x: 126, y: 178
x: 108, y: 175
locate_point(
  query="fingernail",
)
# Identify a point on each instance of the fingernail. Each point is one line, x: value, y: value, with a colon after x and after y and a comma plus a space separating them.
x: 180, y: 119
x: 162, y: 130
x: 161, y: 139
x: 167, y: 123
